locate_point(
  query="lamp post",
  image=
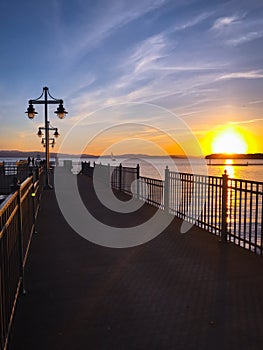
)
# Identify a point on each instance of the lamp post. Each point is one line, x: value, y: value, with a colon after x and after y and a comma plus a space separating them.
x: 47, y: 99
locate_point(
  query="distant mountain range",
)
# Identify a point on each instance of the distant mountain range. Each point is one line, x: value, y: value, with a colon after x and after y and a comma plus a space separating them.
x: 235, y: 156
x: 24, y: 154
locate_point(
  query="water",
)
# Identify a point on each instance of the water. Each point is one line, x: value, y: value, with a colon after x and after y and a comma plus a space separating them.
x: 154, y: 166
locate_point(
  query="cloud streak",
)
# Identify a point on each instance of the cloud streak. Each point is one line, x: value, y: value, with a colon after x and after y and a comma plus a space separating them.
x: 193, y: 21
x: 224, y: 22
x: 254, y: 74
x: 245, y: 38
x: 114, y: 16
x: 249, y: 121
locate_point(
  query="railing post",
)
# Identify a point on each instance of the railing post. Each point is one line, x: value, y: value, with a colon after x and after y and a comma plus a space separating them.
x: 33, y: 197
x: 109, y: 175
x: 166, y: 189
x: 20, y: 239
x: 120, y: 177
x: 224, y: 206
x: 138, y: 180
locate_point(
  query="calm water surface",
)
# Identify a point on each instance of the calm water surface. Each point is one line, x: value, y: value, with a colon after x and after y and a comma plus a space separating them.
x: 154, y: 166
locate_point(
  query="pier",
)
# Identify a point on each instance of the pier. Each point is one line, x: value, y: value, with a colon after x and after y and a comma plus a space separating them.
x: 177, y: 291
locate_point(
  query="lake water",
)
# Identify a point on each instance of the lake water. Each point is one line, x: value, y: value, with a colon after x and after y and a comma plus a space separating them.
x: 154, y: 166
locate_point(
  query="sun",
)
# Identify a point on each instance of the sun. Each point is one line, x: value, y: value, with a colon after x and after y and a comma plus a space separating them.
x: 229, y: 141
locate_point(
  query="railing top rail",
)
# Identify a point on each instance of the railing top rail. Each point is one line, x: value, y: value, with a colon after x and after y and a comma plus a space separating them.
x: 7, y: 202
x: 246, y: 181
x: 193, y: 174
x: 128, y: 169
x: 151, y: 179
x: 26, y: 181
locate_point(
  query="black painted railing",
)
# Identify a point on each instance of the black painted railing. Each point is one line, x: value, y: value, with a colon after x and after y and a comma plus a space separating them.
x: 229, y: 208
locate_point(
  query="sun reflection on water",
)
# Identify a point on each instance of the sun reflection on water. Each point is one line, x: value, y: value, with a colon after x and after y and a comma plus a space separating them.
x: 230, y: 169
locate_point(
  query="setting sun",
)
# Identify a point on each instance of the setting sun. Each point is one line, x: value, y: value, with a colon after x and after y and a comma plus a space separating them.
x: 229, y: 141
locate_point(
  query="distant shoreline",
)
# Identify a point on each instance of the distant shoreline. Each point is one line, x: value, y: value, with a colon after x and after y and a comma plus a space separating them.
x: 25, y: 154
x: 235, y: 156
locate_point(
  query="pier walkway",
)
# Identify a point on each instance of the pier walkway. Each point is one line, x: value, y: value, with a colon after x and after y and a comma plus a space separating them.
x: 178, y: 291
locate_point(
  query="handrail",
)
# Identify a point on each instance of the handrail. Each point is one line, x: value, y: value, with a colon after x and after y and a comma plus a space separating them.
x: 17, y: 224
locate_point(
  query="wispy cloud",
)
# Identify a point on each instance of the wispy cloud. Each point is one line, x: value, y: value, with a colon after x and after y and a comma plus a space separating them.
x: 249, y: 121
x: 87, y: 35
x: 186, y: 68
x: 253, y: 74
x: 193, y: 21
x: 151, y: 69
x: 245, y: 38
x: 148, y: 52
x: 224, y: 22
x: 238, y: 28
x: 255, y: 102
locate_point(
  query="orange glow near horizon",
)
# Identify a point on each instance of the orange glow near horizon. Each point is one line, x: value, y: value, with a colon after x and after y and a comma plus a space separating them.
x: 120, y: 140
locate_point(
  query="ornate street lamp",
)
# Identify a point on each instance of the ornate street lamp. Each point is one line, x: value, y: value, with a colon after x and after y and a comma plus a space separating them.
x: 61, y: 112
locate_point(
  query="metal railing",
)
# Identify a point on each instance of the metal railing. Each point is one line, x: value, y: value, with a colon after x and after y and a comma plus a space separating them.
x: 245, y: 213
x: 152, y: 191
x: 86, y: 169
x: 196, y: 199
x: 12, y: 171
x: 17, y: 223
x: 124, y: 178
x: 121, y: 178
x: 229, y: 208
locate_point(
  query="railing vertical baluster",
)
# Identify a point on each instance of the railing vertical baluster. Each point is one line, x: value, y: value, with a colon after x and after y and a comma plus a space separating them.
x: 250, y: 215
x: 108, y: 175
x: 120, y: 177
x: 256, y: 217
x: 166, y: 189
x: 224, y: 207
x: 245, y: 217
x: 138, y: 180
x: 261, y: 231
x: 235, y: 208
x: 20, y: 240
x: 33, y: 205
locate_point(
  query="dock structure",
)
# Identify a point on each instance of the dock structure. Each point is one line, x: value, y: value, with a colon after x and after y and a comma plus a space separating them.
x: 177, y: 291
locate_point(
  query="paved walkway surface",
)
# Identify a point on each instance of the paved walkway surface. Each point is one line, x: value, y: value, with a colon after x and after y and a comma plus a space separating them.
x: 178, y: 291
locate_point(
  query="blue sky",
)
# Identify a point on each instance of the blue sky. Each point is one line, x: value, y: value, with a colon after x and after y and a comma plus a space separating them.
x: 201, y: 60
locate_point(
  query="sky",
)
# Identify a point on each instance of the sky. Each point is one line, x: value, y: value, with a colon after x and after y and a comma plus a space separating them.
x: 141, y: 76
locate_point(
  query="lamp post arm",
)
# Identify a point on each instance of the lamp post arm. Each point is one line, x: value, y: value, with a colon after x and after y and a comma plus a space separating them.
x: 49, y: 128
x: 42, y: 102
